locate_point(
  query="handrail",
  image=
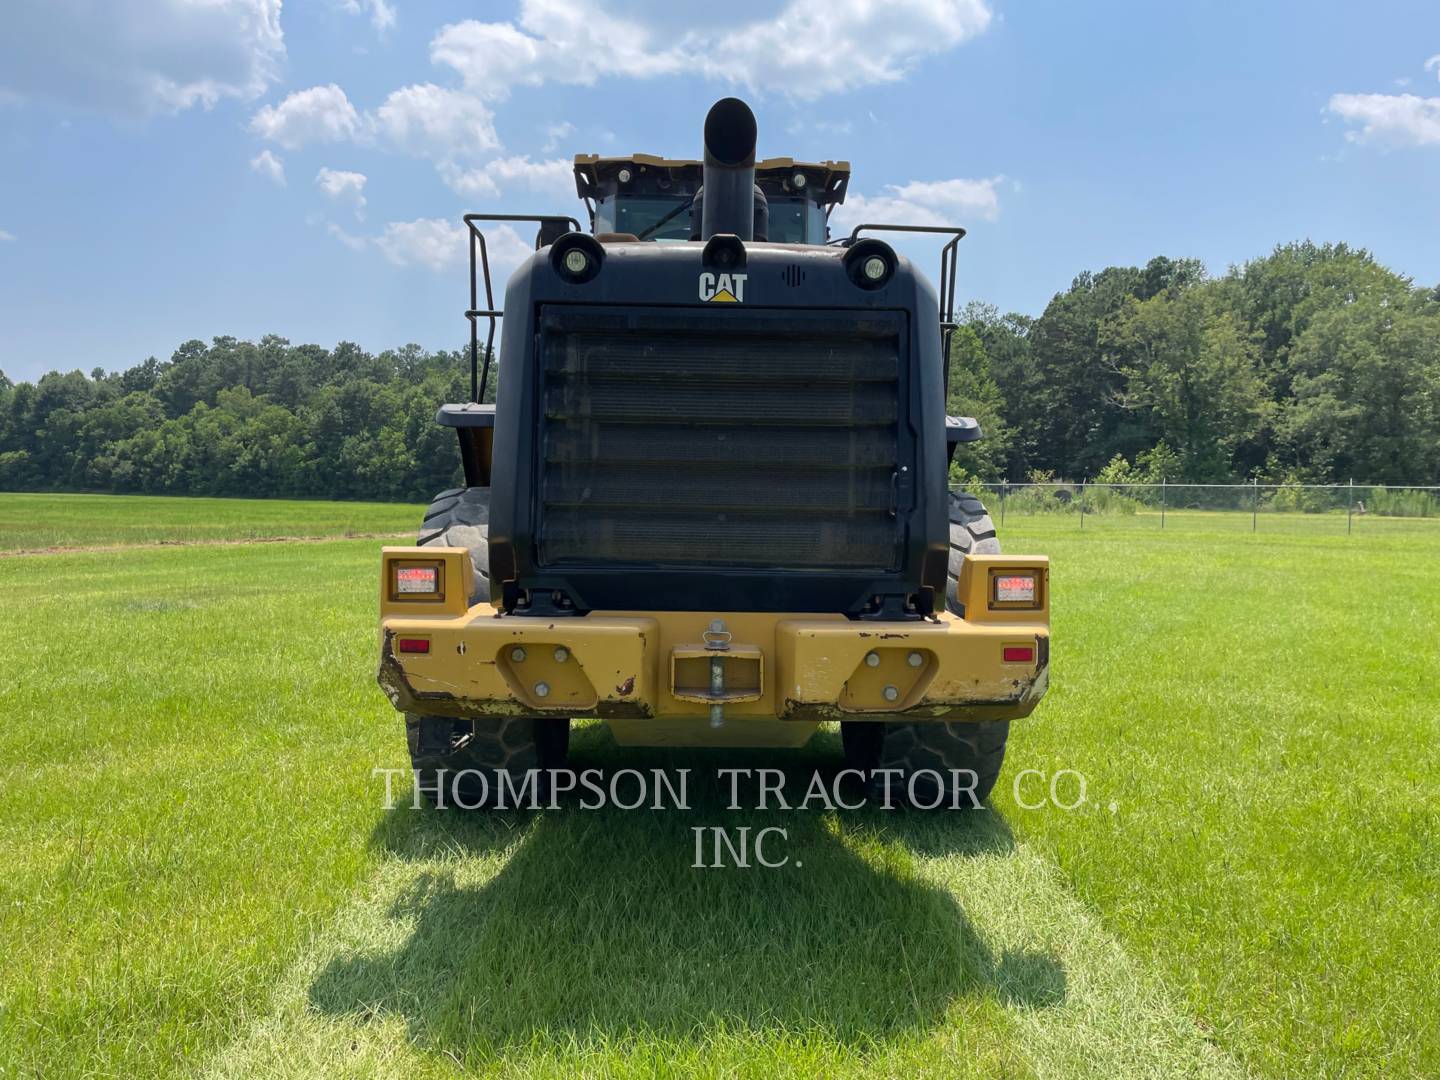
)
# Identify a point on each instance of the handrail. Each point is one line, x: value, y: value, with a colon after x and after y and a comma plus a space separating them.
x: 949, y: 261
x: 480, y: 376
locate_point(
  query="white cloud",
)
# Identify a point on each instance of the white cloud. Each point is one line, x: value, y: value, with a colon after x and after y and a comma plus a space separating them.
x: 434, y: 122
x: 555, y: 176
x: 320, y: 114
x: 382, y: 15
x: 923, y: 202
x: 1434, y: 63
x: 809, y: 50
x: 441, y: 245
x: 343, y: 186
x: 819, y: 127
x: 506, y: 249
x: 796, y: 51
x: 436, y: 243
x: 6, y: 237
x: 426, y: 120
x: 140, y: 57
x: 473, y: 183
x: 350, y: 240
x: 269, y: 166
x: 1390, y: 119
x: 805, y: 51
x: 554, y: 133
x: 559, y: 40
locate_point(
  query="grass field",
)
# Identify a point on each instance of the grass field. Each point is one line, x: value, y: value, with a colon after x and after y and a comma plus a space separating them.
x: 35, y: 522
x: 200, y: 877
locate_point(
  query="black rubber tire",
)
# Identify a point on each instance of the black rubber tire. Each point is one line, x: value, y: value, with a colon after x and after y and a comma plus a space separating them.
x: 458, y: 763
x: 944, y: 765
x: 971, y: 533
x: 460, y: 517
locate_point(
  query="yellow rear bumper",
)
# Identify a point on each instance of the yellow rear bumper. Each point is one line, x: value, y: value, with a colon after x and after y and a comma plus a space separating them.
x: 650, y: 666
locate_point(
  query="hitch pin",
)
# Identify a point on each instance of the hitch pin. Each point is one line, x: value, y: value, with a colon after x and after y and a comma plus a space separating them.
x: 717, y: 638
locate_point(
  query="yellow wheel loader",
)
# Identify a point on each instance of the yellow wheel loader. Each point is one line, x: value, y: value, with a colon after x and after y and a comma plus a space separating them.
x: 709, y: 505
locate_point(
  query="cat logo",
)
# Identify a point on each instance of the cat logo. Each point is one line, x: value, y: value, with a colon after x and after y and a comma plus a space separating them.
x: 723, y: 288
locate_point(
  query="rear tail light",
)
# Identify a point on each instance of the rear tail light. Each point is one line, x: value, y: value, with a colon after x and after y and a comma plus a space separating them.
x: 417, y: 580
x: 1019, y: 654
x: 422, y: 645
x: 1014, y: 589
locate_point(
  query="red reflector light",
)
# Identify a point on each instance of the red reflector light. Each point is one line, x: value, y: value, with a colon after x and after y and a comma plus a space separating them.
x: 421, y: 645
x: 1019, y: 654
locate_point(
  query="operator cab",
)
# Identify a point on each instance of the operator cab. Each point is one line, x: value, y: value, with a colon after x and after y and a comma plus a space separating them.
x: 651, y: 198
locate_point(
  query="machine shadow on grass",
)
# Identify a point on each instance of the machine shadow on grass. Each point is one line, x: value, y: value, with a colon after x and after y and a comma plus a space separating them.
x: 597, y: 927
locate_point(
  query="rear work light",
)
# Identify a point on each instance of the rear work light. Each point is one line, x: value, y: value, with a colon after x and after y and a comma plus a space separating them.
x: 1014, y: 589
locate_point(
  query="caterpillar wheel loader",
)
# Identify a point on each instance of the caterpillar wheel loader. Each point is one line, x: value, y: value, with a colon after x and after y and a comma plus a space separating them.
x: 709, y: 504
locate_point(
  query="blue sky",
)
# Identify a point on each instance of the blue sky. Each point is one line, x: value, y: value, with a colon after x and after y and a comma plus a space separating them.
x: 185, y: 168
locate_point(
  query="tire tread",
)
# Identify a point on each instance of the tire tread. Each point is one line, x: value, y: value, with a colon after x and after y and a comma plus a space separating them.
x: 912, y: 746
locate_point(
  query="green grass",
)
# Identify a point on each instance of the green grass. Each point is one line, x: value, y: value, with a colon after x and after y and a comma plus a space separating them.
x: 1262, y: 710
x: 30, y: 522
x: 200, y: 875
x: 184, y: 798
x: 1230, y: 522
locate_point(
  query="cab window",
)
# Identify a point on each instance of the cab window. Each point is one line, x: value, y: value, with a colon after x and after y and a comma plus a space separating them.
x: 636, y: 214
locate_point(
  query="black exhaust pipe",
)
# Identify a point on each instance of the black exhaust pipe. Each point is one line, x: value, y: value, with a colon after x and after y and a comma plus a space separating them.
x: 728, y: 195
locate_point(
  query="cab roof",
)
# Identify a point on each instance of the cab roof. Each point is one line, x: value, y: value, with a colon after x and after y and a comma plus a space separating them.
x: 825, y: 180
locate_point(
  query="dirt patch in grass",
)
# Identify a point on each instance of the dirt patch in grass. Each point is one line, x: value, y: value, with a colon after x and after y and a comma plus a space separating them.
x: 100, y: 548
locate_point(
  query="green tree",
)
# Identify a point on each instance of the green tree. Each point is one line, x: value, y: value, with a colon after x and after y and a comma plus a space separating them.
x: 1071, y: 405
x: 1192, y: 374
x: 1366, y: 401
x: 974, y: 393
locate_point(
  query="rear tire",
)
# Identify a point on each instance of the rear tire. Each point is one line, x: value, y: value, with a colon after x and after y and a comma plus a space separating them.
x: 485, y: 763
x: 460, y: 517
x: 942, y: 765
x: 971, y: 533
x: 460, y: 763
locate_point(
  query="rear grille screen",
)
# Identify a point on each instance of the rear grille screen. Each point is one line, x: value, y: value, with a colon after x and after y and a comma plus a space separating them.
x: 745, y: 439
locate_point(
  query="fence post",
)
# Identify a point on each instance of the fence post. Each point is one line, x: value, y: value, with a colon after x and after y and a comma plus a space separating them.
x: 1082, y: 504
x: 1162, y: 502
x: 1350, y: 510
x: 1254, y: 503
x: 1004, y: 488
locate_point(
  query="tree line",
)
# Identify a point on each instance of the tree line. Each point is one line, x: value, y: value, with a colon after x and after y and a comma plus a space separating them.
x: 233, y: 417
x: 1313, y: 364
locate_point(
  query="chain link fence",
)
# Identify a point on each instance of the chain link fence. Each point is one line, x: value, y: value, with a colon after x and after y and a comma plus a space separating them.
x: 1333, y: 508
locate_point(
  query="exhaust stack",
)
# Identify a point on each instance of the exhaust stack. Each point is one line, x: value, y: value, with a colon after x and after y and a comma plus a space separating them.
x: 728, y: 194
